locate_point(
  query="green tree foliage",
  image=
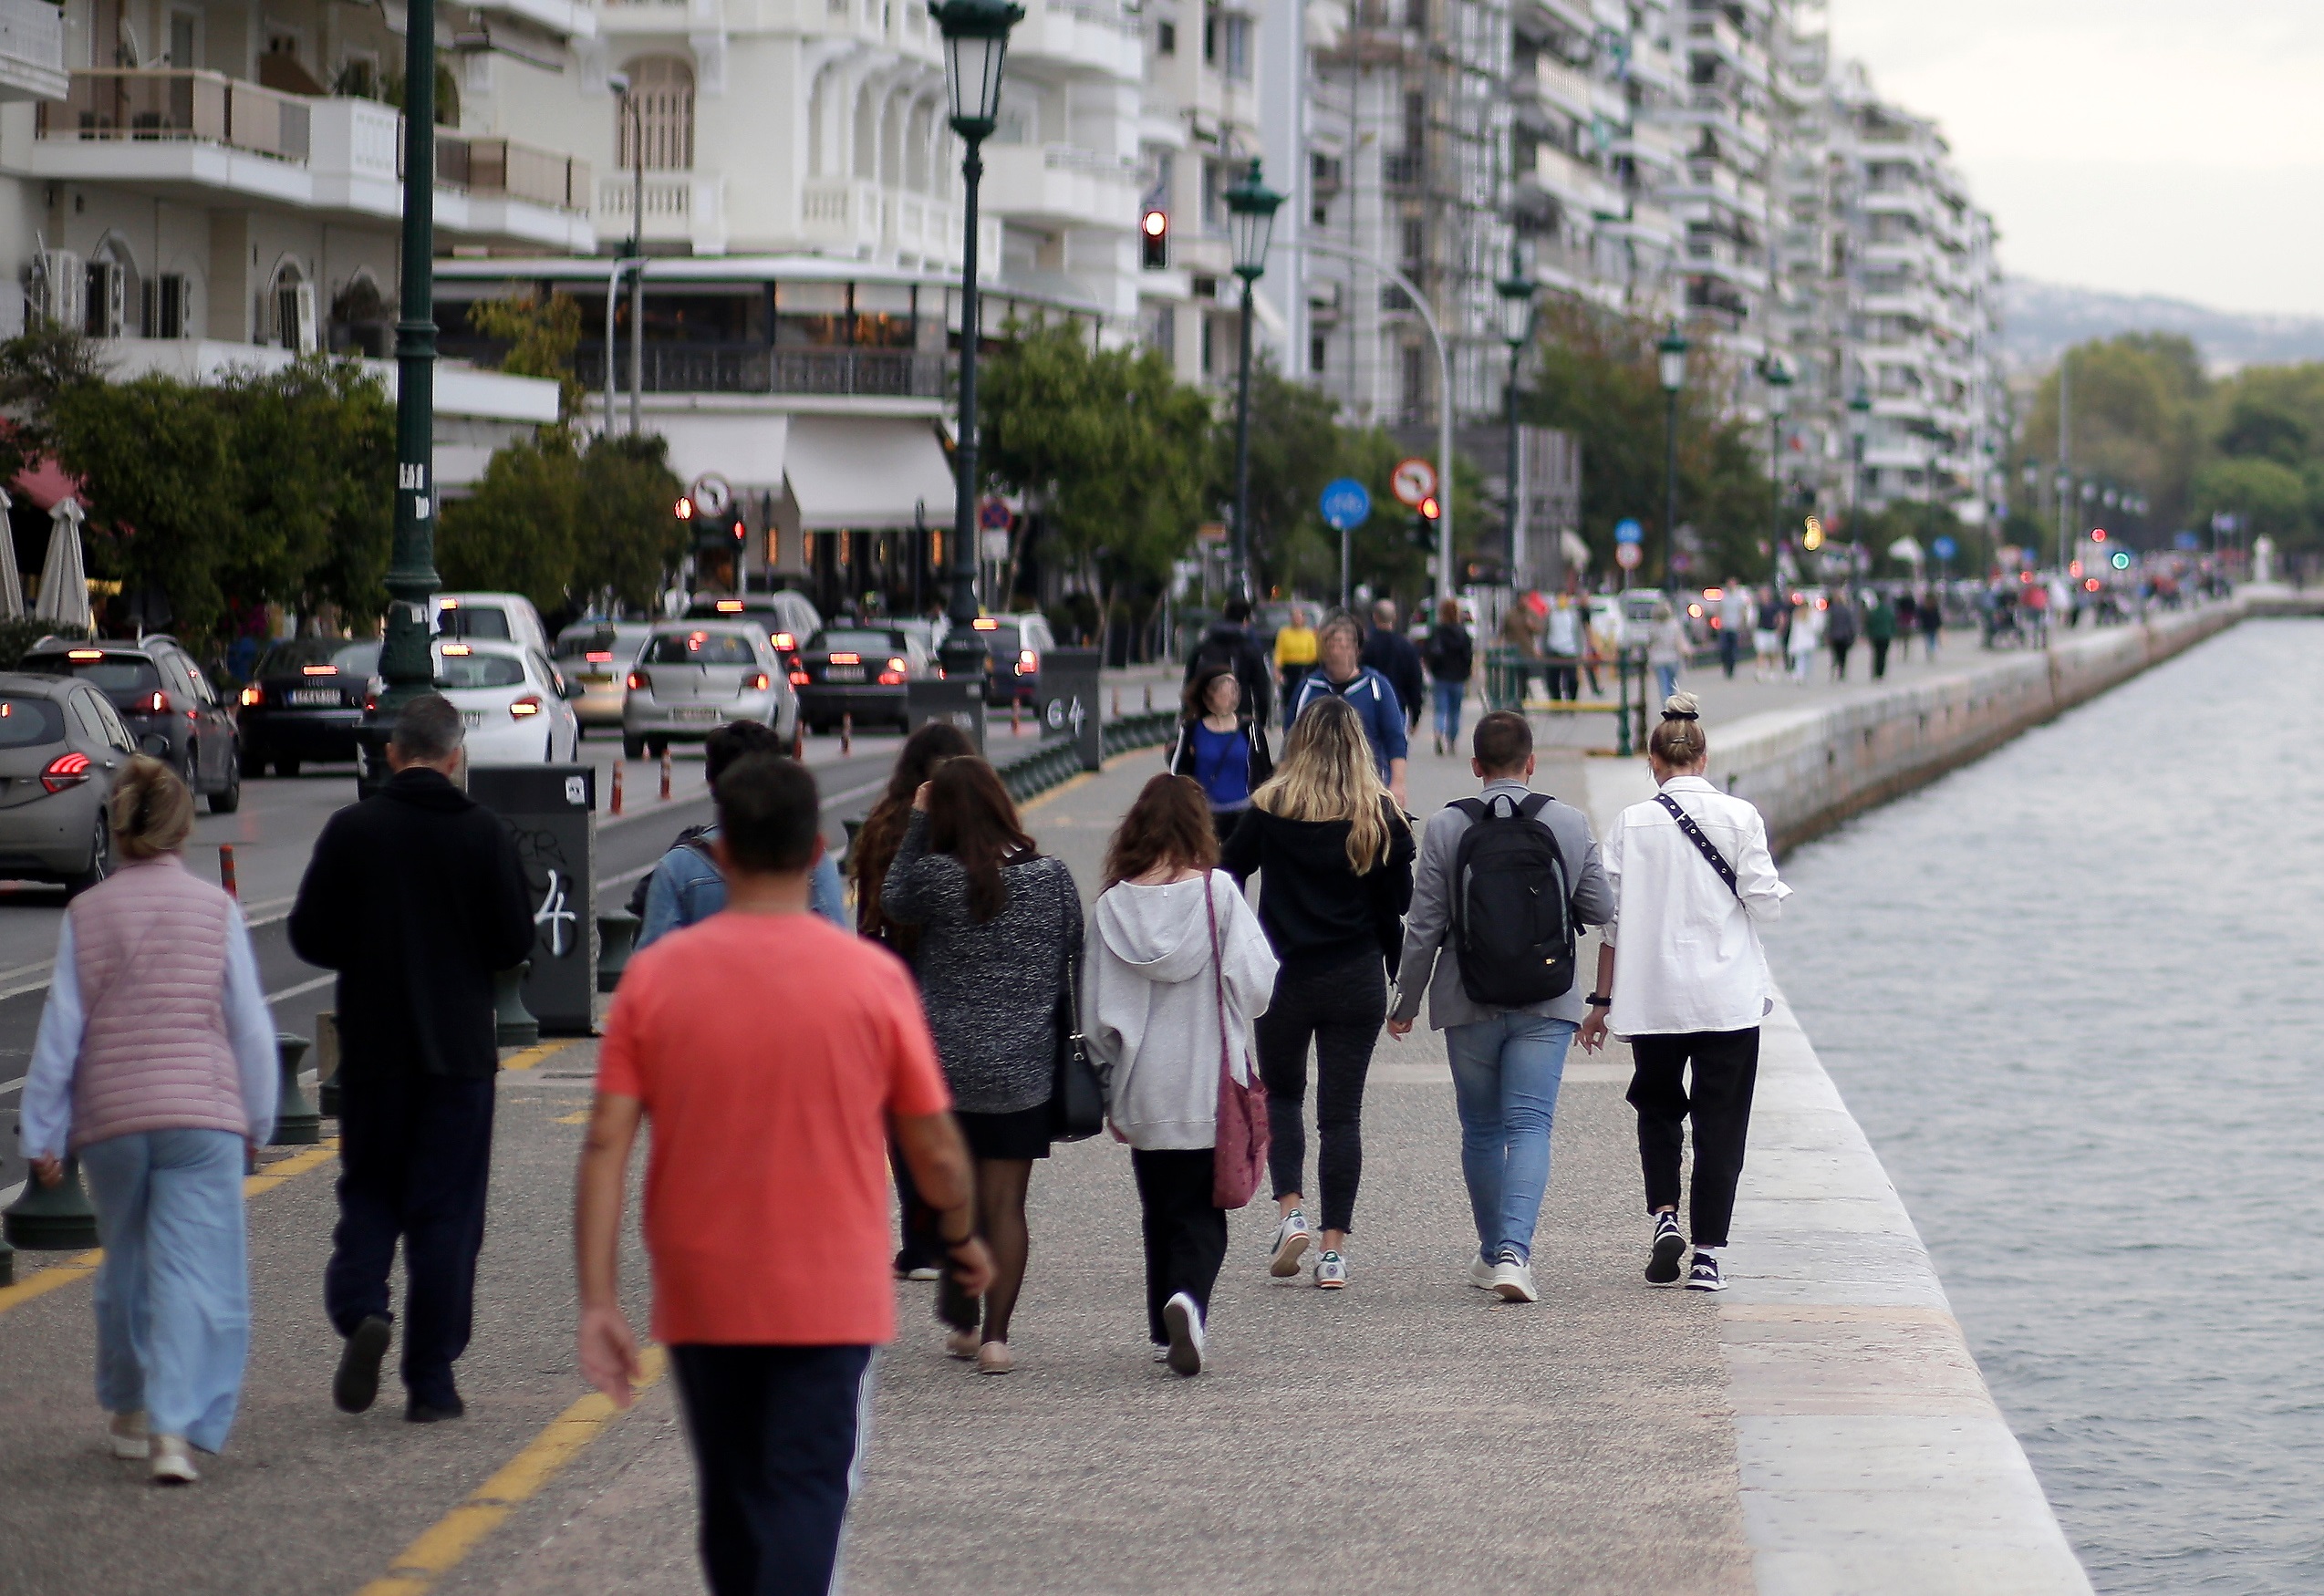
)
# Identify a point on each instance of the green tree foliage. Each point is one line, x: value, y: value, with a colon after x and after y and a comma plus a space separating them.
x: 2141, y: 409
x: 2271, y: 496
x: 1296, y: 447
x: 35, y: 368
x: 553, y: 521
x: 314, y: 445
x: 627, y: 542
x: 542, y: 336
x: 157, y: 461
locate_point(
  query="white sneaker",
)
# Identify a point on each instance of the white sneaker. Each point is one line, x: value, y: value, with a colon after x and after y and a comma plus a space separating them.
x: 1513, y: 1280
x: 1330, y: 1271
x: 173, y: 1461
x: 1482, y: 1273
x: 1162, y: 1352
x: 1182, y: 1317
x: 1289, y: 1245
x: 126, y: 1432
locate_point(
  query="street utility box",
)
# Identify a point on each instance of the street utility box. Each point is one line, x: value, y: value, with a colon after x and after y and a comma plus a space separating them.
x: 548, y: 809
x: 958, y: 702
x: 1069, y: 704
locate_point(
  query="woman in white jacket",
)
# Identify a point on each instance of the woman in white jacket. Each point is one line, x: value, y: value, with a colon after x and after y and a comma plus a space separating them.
x: 1176, y: 970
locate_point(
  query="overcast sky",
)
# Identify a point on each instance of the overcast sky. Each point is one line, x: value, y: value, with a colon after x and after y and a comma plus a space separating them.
x: 2145, y: 146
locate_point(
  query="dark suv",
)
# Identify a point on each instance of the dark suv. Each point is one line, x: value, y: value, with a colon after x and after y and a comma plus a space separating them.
x: 303, y: 702
x: 166, y: 701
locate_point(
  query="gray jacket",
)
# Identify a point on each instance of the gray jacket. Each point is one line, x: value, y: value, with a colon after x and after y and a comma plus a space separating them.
x: 1429, y: 923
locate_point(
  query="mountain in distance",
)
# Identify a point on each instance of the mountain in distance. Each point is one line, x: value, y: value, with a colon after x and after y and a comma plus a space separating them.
x: 2039, y: 320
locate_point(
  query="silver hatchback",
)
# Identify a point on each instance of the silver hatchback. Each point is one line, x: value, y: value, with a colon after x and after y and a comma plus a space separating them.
x: 61, y: 747
x: 693, y: 676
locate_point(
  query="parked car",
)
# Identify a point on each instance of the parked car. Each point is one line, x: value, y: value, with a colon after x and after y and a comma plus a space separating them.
x: 692, y: 676
x: 1013, y: 644
x: 61, y: 747
x: 598, y: 654
x: 166, y: 701
x: 506, y: 617
x: 303, y: 702
x: 790, y: 619
x: 860, y: 671
x: 517, y: 706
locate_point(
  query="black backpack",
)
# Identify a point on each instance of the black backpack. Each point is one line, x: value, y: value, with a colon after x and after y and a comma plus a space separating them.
x: 1512, y: 906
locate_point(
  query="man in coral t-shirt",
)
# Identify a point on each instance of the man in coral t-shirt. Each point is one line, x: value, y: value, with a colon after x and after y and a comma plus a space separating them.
x: 774, y: 1053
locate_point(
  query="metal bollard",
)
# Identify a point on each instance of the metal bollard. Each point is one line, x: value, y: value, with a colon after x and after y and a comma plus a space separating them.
x: 227, y: 871
x: 296, y: 1124
x: 616, y: 786
x: 665, y: 773
x: 799, y: 739
x: 57, y: 1219
x: 514, y: 1022
x: 616, y: 934
x: 1149, y: 697
x: 1015, y: 730
x: 1117, y: 703
x: 846, y: 735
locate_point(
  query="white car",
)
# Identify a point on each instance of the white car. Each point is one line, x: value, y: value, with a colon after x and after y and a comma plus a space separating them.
x: 507, y: 617
x: 515, y: 702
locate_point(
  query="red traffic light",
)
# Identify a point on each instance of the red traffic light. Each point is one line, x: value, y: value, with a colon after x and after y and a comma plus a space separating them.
x: 1429, y: 510
x: 1153, y: 239
x: 685, y: 510
x: 1157, y: 224
x: 2098, y: 534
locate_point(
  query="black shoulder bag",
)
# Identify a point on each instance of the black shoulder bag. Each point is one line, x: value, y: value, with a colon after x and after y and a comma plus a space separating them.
x: 1702, y: 843
x: 1076, y: 1096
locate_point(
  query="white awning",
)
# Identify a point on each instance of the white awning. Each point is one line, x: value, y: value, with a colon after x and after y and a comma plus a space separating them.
x: 858, y: 474
x: 746, y: 450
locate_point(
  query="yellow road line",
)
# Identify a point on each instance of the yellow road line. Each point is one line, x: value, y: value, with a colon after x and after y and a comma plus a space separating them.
x: 82, y: 1265
x: 533, y: 1055
x: 580, y: 1118
x: 440, y: 1547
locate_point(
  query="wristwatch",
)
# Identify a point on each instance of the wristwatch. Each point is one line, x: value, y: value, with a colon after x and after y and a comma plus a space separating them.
x: 1597, y: 1001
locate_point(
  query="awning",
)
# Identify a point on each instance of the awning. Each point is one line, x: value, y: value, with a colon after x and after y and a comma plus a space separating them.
x: 850, y: 473
x: 746, y: 450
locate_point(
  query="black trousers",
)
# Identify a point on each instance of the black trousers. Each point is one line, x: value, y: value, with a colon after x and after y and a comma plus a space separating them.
x: 777, y: 1433
x: 1880, y: 657
x: 1186, y: 1233
x: 916, y: 1220
x: 1727, y: 1067
x: 415, y: 1156
x: 1340, y: 1008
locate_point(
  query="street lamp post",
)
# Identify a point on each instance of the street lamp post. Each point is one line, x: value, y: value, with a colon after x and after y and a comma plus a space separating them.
x: 1779, y: 378
x: 1860, y: 406
x: 1671, y: 362
x: 1516, y: 292
x: 1250, y: 221
x: 632, y: 261
x: 976, y: 43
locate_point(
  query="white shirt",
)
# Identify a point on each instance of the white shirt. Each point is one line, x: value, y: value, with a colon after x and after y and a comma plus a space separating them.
x: 1689, y: 956
x: 1564, y: 631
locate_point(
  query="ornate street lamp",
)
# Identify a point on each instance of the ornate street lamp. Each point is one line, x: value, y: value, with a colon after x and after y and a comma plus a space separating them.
x: 1779, y: 380
x: 976, y: 43
x: 1671, y: 365
x: 1516, y: 292
x: 1860, y: 408
x: 1250, y: 221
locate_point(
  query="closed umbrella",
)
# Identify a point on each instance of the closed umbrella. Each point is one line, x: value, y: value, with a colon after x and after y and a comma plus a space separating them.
x: 12, y: 586
x: 64, y: 581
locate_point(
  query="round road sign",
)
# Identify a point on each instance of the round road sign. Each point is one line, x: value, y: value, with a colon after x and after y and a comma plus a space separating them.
x: 1626, y: 555
x: 712, y: 494
x: 1346, y: 504
x: 1944, y: 548
x: 1414, y: 480
x: 1629, y: 531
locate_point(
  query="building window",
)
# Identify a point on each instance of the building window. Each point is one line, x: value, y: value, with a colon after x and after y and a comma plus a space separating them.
x: 1162, y: 330
x: 1238, y: 64
x: 1214, y: 207
x: 1415, y: 242
x: 1416, y: 378
x: 291, y: 312
x: 1210, y: 36
x: 168, y: 314
x: 659, y: 109
x: 1165, y: 38
x: 1316, y: 344
x: 1209, y: 362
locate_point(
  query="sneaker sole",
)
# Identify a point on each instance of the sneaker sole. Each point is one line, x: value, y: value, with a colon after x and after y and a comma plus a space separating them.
x: 356, y: 1386
x: 1662, y: 1269
x: 1718, y: 1285
x: 1513, y: 1291
x: 1288, y: 1252
x: 1185, y: 1358
x: 1331, y: 1285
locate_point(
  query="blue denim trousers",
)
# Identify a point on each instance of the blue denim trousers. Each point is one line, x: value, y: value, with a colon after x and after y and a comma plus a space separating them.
x: 1448, y: 696
x: 1506, y: 1073
x: 173, y: 1293
x: 1667, y: 677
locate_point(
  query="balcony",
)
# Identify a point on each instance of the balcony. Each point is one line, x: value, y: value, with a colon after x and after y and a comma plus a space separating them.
x: 1403, y: 169
x: 1077, y: 38
x: 1581, y: 186
x: 842, y: 214
x: 681, y: 207
x: 1569, y: 89
x: 32, y: 51
x: 757, y: 368
x: 201, y: 136
x: 1060, y: 185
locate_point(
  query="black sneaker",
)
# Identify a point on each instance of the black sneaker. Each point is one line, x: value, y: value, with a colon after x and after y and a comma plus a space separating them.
x: 1705, y: 1275
x: 357, y: 1385
x: 416, y: 1412
x: 1670, y: 1246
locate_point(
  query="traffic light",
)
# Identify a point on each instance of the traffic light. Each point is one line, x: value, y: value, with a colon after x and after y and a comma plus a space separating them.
x: 1154, y: 234
x: 2098, y: 534
x: 2121, y: 559
x: 1424, y: 525
x: 714, y: 534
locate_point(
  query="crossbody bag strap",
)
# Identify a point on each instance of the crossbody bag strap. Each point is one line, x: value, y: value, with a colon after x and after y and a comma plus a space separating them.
x: 1702, y: 843
x: 1218, y: 972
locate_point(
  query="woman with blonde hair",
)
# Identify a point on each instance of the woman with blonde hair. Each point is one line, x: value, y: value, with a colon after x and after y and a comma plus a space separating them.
x: 1336, y: 856
x: 155, y: 1066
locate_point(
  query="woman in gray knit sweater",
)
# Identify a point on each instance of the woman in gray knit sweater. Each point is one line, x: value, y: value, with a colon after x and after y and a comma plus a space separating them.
x: 999, y: 926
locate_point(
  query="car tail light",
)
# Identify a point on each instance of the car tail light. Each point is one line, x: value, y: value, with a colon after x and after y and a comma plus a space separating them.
x: 84, y: 653
x: 640, y: 682
x: 798, y: 677
x: 846, y: 659
x: 891, y: 678
x: 67, y: 770
x: 155, y: 702
x: 318, y: 670
x: 759, y: 682
x: 1028, y: 662
x: 596, y: 658
x: 254, y: 694
x: 526, y: 708
x: 784, y: 641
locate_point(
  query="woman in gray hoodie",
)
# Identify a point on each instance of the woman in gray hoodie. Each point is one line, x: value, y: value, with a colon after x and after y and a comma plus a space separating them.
x: 1179, y: 969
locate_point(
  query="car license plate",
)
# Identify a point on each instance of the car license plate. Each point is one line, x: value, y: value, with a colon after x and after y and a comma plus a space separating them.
x: 689, y: 716
x: 843, y: 673
x: 313, y: 695
x: 596, y: 681
x: 473, y: 719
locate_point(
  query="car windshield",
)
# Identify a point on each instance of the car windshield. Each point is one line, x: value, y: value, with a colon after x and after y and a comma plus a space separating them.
x: 858, y: 642
x: 29, y: 722
x: 293, y: 658
x: 121, y: 677
x: 469, y: 671
x: 466, y: 622
x: 1002, y: 639
x: 603, y: 640
x: 700, y: 649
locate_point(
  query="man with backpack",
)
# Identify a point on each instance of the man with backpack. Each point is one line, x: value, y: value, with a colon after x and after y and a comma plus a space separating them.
x: 685, y: 889
x: 1507, y: 881
x: 1230, y: 644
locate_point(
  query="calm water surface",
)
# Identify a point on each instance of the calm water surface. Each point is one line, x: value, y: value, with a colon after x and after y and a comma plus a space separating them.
x: 2073, y: 994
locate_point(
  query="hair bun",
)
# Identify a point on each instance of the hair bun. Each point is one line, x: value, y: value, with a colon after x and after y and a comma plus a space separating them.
x: 1681, y: 706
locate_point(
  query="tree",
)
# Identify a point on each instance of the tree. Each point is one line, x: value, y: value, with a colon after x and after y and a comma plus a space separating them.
x: 35, y: 368
x: 626, y: 540
x: 156, y: 457
x: 2270, y: 497
x: 1295, y: 448
x: 517, y: 532
x: 313, y: 448
x: 2138, y: 405
x: 541, y: 338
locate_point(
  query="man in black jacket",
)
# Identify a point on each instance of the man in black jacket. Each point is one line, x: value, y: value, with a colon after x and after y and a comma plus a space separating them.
x: 1391, y: 654
x: 416, y: 896
x: 1230, y: 643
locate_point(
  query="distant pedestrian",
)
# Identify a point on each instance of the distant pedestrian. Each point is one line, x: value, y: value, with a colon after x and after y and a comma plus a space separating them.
x: 1839, y: 629
x: 1000, y: 925
x: 1528, y: 639
x: 1907, y: 622
x: 1177, y: 969
x: 1294, y: 651
x: 155, y: 1066
x: 868, y: 857
x: 1230, y: 643
x: 1563, y: 641
x: 766, y: 1199
x: 1773, y: 613
x: 1692, y: 881
x: 416, y: 896
x: 1391, y: 653
x: 1342, y: 674
x: 1335, y: 858
x: 1734, y: 622
x: 1515, y: 902
x: 1932, y: 616
x: 1221, y: 748
x: 1450, y: 656
x: 685, y: 889
x: 1880, y: 630
x: 1665, y: 646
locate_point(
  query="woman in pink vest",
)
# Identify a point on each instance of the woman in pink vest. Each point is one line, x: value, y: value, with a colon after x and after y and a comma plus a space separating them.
x: 155, y: 1066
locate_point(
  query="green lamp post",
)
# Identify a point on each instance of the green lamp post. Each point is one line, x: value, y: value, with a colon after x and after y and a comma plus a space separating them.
x: 1515, y: 293
x: 1778, y: 381
x: 1250, y: 222
x: 1670, y: 359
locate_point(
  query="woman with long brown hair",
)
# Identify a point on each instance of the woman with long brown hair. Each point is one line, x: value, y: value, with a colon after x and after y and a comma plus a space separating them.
x: 1178, y: 970
x: 1000, y: 925
x: 1336, y: 854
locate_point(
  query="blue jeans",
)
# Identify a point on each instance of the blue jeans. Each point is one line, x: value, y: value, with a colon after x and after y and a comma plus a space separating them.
x: 1668, y: 676
x: 1505, y: 1072
x: 174, y: 1292
x: 1448, y: 696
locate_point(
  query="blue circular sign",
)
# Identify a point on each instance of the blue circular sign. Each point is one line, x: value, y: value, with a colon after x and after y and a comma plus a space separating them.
x: 1944, y: 548
x: 1629, y: 531
x: 1346, y: 504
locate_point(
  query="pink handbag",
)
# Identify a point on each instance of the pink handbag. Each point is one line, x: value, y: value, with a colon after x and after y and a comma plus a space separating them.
x: 1238, y: 1156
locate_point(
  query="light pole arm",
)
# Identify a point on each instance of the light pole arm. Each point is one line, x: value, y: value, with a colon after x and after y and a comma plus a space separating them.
x: 1444, y: 393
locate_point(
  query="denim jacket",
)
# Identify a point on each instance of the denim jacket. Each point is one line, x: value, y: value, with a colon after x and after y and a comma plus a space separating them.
x: 685, y: 890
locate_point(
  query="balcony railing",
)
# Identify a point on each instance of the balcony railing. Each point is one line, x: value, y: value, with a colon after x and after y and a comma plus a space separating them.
x: 757, y: 368
x: 32, y: 40
x: 1402, y: 169
x: 207, y: 108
